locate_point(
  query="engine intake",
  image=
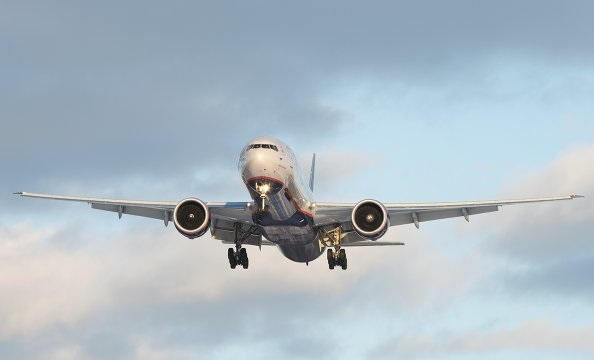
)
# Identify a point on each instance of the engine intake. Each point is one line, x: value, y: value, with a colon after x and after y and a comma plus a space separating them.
x: 370, y: 219
x: 191, y: 218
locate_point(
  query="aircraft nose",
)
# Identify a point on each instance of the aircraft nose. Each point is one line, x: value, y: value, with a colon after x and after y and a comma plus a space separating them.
x: 259, y: 163
x: 254, y: 159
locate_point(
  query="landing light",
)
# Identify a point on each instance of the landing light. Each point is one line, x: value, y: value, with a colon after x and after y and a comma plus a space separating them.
x: 264, y: 189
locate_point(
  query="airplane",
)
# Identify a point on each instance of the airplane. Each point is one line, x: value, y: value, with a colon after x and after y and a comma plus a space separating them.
x: 283, y: 213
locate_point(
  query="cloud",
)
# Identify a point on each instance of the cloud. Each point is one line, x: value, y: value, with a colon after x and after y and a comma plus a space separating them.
x: 547, y: 232
x: 548, y: 247
x: 568, y: 276
x: 524, y: 336
x: 170, y: 89
x: 144, y: 292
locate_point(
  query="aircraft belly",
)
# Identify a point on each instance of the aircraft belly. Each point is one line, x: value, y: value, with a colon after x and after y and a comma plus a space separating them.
x: 291, y: 228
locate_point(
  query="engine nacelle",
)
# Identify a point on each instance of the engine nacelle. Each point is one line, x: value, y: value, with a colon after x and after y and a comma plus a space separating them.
x: 370, y: 219
x: 191, y: 218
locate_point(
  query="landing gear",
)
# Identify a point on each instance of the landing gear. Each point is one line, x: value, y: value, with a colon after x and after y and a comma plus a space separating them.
x: 232, y: 258
x: 336, y: 257
x: 262, y: 206
x: 343, y: 259
x: 243, y: 258
x: 238, y: 256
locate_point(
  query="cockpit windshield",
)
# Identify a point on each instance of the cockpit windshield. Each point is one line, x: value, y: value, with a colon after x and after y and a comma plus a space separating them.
x: 263, y: 146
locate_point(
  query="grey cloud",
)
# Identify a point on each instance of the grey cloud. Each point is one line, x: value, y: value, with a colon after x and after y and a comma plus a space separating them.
x: 203, y: 327
x: 178, y: 294
x: 569, y: 276
x: 514, y: 339
x: 549, y: 231
x: 551, y: 244
x: 138, y: 87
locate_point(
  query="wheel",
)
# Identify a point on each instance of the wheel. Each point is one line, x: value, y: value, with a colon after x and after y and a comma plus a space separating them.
x: 331, y: 263
x: 343, y: 259
x: 243, y: 258
x: 231, y: 256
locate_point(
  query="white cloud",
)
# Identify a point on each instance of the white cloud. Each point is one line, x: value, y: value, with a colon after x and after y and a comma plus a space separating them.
x: 529, y: 335
x: 55, y: 285
x: 45, y: 284
x: 67, y: 352
x: 541, y: 233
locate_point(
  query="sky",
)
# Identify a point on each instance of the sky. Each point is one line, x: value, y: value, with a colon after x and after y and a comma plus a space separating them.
x: 401, y: 100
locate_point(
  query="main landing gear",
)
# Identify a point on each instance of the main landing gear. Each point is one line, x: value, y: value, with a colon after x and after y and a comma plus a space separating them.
x: 332, y: 238
x: 337, y: 258
x: 238, y: 256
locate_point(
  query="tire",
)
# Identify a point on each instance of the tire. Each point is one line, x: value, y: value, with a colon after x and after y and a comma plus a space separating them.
x: 231, y: 256
x: 330, y: 255
x: 343, y: 259
x: 243, y: 258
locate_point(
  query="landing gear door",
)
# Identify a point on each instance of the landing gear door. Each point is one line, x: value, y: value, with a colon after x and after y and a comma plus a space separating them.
x: 229, y: 231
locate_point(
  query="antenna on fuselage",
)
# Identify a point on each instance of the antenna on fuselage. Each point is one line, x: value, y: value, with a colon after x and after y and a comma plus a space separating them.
x: 312, y: 172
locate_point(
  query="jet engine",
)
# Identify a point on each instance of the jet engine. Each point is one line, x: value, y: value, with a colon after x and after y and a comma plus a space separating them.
x: 191, y: 218
x: 370, y: 219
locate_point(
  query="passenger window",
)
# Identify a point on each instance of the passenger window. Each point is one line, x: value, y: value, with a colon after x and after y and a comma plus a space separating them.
x: 265, y: 146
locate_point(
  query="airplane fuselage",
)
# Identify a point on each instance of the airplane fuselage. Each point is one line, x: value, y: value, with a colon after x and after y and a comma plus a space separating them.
x: 271, y: 173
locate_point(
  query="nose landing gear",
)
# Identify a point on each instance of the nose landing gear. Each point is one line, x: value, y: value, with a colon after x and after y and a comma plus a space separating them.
x: 262, y: 205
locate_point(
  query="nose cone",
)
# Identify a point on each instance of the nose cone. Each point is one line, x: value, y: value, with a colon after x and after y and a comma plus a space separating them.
x: 256, y: 159
x: 261, y: 158
x: 258, y: 163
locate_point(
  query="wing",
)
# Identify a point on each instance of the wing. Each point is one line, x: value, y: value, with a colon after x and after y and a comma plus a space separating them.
x: 223, y: 214
x: 416, y: 213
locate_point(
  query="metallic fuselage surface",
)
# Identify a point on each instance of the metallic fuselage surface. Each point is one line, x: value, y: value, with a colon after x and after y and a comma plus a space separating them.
x: 271, y: 173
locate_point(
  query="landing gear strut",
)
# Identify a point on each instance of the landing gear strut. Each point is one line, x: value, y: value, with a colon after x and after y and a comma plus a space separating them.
x: 238, y: 256
x: 336, y: 257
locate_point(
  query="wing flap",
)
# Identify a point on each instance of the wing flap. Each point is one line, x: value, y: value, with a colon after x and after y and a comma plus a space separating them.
x: 480, y: 203
x: 154, y: 213
x: 372, y: 243
x: 399, y: 217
